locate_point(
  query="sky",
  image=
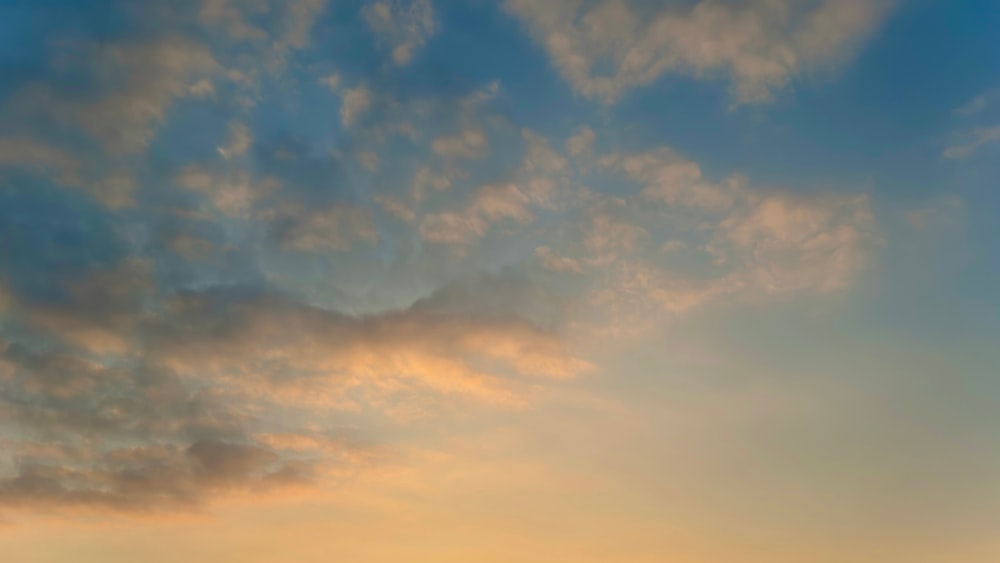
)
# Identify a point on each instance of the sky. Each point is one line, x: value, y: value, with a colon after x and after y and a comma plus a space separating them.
x: 632, y: 281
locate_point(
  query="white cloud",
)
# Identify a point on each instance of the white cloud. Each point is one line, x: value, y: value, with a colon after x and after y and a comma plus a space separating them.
x: 760, y: 45
x: 403, y: 26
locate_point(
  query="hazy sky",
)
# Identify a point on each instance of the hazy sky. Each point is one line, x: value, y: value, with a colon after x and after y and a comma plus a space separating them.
x: 690, y: 281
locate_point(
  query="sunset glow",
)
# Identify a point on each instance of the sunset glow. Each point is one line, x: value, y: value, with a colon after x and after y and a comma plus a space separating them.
x: 477, y: 281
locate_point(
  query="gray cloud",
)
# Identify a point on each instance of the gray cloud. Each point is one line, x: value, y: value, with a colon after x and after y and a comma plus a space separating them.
x: 192, y: 399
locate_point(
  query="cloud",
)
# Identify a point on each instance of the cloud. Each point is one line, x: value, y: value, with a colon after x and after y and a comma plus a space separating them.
x: 790, y: 243
x: 298, y: 17
x: 240, y: 140
x: 403, y: 26
x: 147, y: 478
x: 938, y: 214
x: 468, y: 143
x: 760, y: 45
x: 396, y: 208
x: 490, y: 204
x: 89, y: 422
x: 254, y: 39
x: 536, y: 183
x: 204, y: 341
x: 634, y: 287
x: 232, y: 192
x: 673, y: 180
x: 232, y: 16
x: 977, y: 104
x: 682, y: 241
x: 369, y: 160
x: 972, y: 142
x: 557, y: 263
x: 62, y: 166
x: 470, y: 140
x: 191, y: 247
x: 335, y: 228
x: 97, y: 311
x: 114, y: 189
x: 452, y: 228
x: 609, y: 233
x: 785, y: 242
x: 331, y: 81
x: 581, y: 144
x: 425, y: 178
x: 135, y: 85
x: 356, y: 102
x: 198, y: 396
x: 384, y: 354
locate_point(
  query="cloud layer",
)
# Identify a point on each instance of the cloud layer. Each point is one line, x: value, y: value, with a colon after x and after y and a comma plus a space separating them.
x: 228, y: 254
x: 760, y: 46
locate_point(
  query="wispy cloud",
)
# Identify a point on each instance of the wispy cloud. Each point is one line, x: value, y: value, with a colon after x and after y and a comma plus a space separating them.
x: 356, y: 102
x: 246, y: 247
x: 125, y: 112
x: 972, y: 142
x: 403, y: 25
x: 240, y: 140
x: 761, y: 46
x: 978, y: 104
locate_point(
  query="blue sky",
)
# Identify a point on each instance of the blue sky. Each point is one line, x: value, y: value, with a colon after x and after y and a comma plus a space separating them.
x: 542, y: 273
